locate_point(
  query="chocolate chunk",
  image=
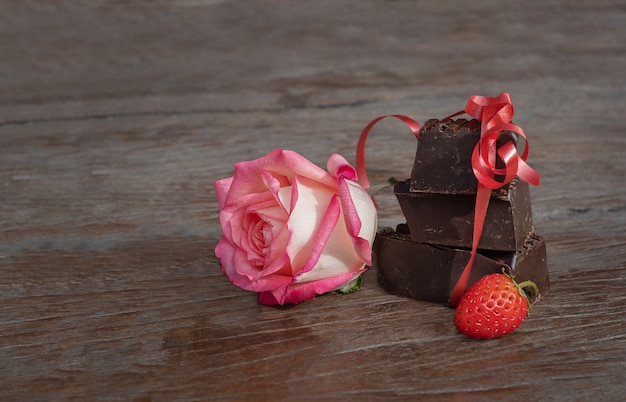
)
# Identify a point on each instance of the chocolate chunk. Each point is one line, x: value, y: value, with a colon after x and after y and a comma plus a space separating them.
x: 443, y: 160
x: 446, y: 219
x: 429, y: 273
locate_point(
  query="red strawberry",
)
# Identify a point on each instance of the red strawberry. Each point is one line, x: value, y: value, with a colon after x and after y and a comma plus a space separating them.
x: 494, y: 306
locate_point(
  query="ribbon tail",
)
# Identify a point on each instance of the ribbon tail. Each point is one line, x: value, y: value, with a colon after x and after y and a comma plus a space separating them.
x: 480, y: 211
x: 527, y: 173
x: 460, y: 112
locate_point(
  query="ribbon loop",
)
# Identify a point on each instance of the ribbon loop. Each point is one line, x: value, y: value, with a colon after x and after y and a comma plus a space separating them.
x: 484, y: 162
x: 485, y: 108
x: 361, y: 170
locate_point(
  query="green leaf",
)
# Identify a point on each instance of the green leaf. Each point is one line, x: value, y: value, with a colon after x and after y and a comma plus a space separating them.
x: 393, y: 181
x: 381, y: 229
x: 352, y: 286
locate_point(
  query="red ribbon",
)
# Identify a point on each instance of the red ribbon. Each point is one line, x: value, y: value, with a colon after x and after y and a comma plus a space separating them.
x: 495, y: 115
x: 361, y: 171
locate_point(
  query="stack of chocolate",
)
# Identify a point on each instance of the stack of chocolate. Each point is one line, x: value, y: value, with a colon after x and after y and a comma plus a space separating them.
x: 424, y: 258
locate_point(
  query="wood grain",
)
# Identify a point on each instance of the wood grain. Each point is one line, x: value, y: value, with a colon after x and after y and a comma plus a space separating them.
x: 117, y: 117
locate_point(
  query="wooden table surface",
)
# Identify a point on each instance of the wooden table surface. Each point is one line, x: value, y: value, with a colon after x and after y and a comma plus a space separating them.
x: 116, y: 117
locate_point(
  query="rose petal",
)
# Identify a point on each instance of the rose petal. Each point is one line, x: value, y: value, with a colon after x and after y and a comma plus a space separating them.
x: 284, y: 198
x: 248, y: 261
x: 242, y: 274
x: 338, y: 257
x: 278, y: 186
x: 300, y: 292
x: 276, y: 260
x: 280, y: 162
x: 324, y: 232
x: 272, y: 257
x: 309, y: 201
x: 232, y: 215
x: 338, y: 167
x: 271, y: 212
x: 267, y: 298
x: 221, y: 188
x: 360, y: 216
x: 353, y: 221
x: 345, y: 252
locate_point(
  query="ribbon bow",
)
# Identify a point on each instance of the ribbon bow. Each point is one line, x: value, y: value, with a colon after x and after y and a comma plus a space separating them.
x: 495, y: 115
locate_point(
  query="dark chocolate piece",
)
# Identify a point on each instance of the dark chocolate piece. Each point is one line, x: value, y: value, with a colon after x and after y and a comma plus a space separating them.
x: 429, y: 273
x: 443, y: 160
x: 448, y: 220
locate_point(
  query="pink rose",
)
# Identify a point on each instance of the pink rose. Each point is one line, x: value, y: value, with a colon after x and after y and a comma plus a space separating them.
x: 291, y: 230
